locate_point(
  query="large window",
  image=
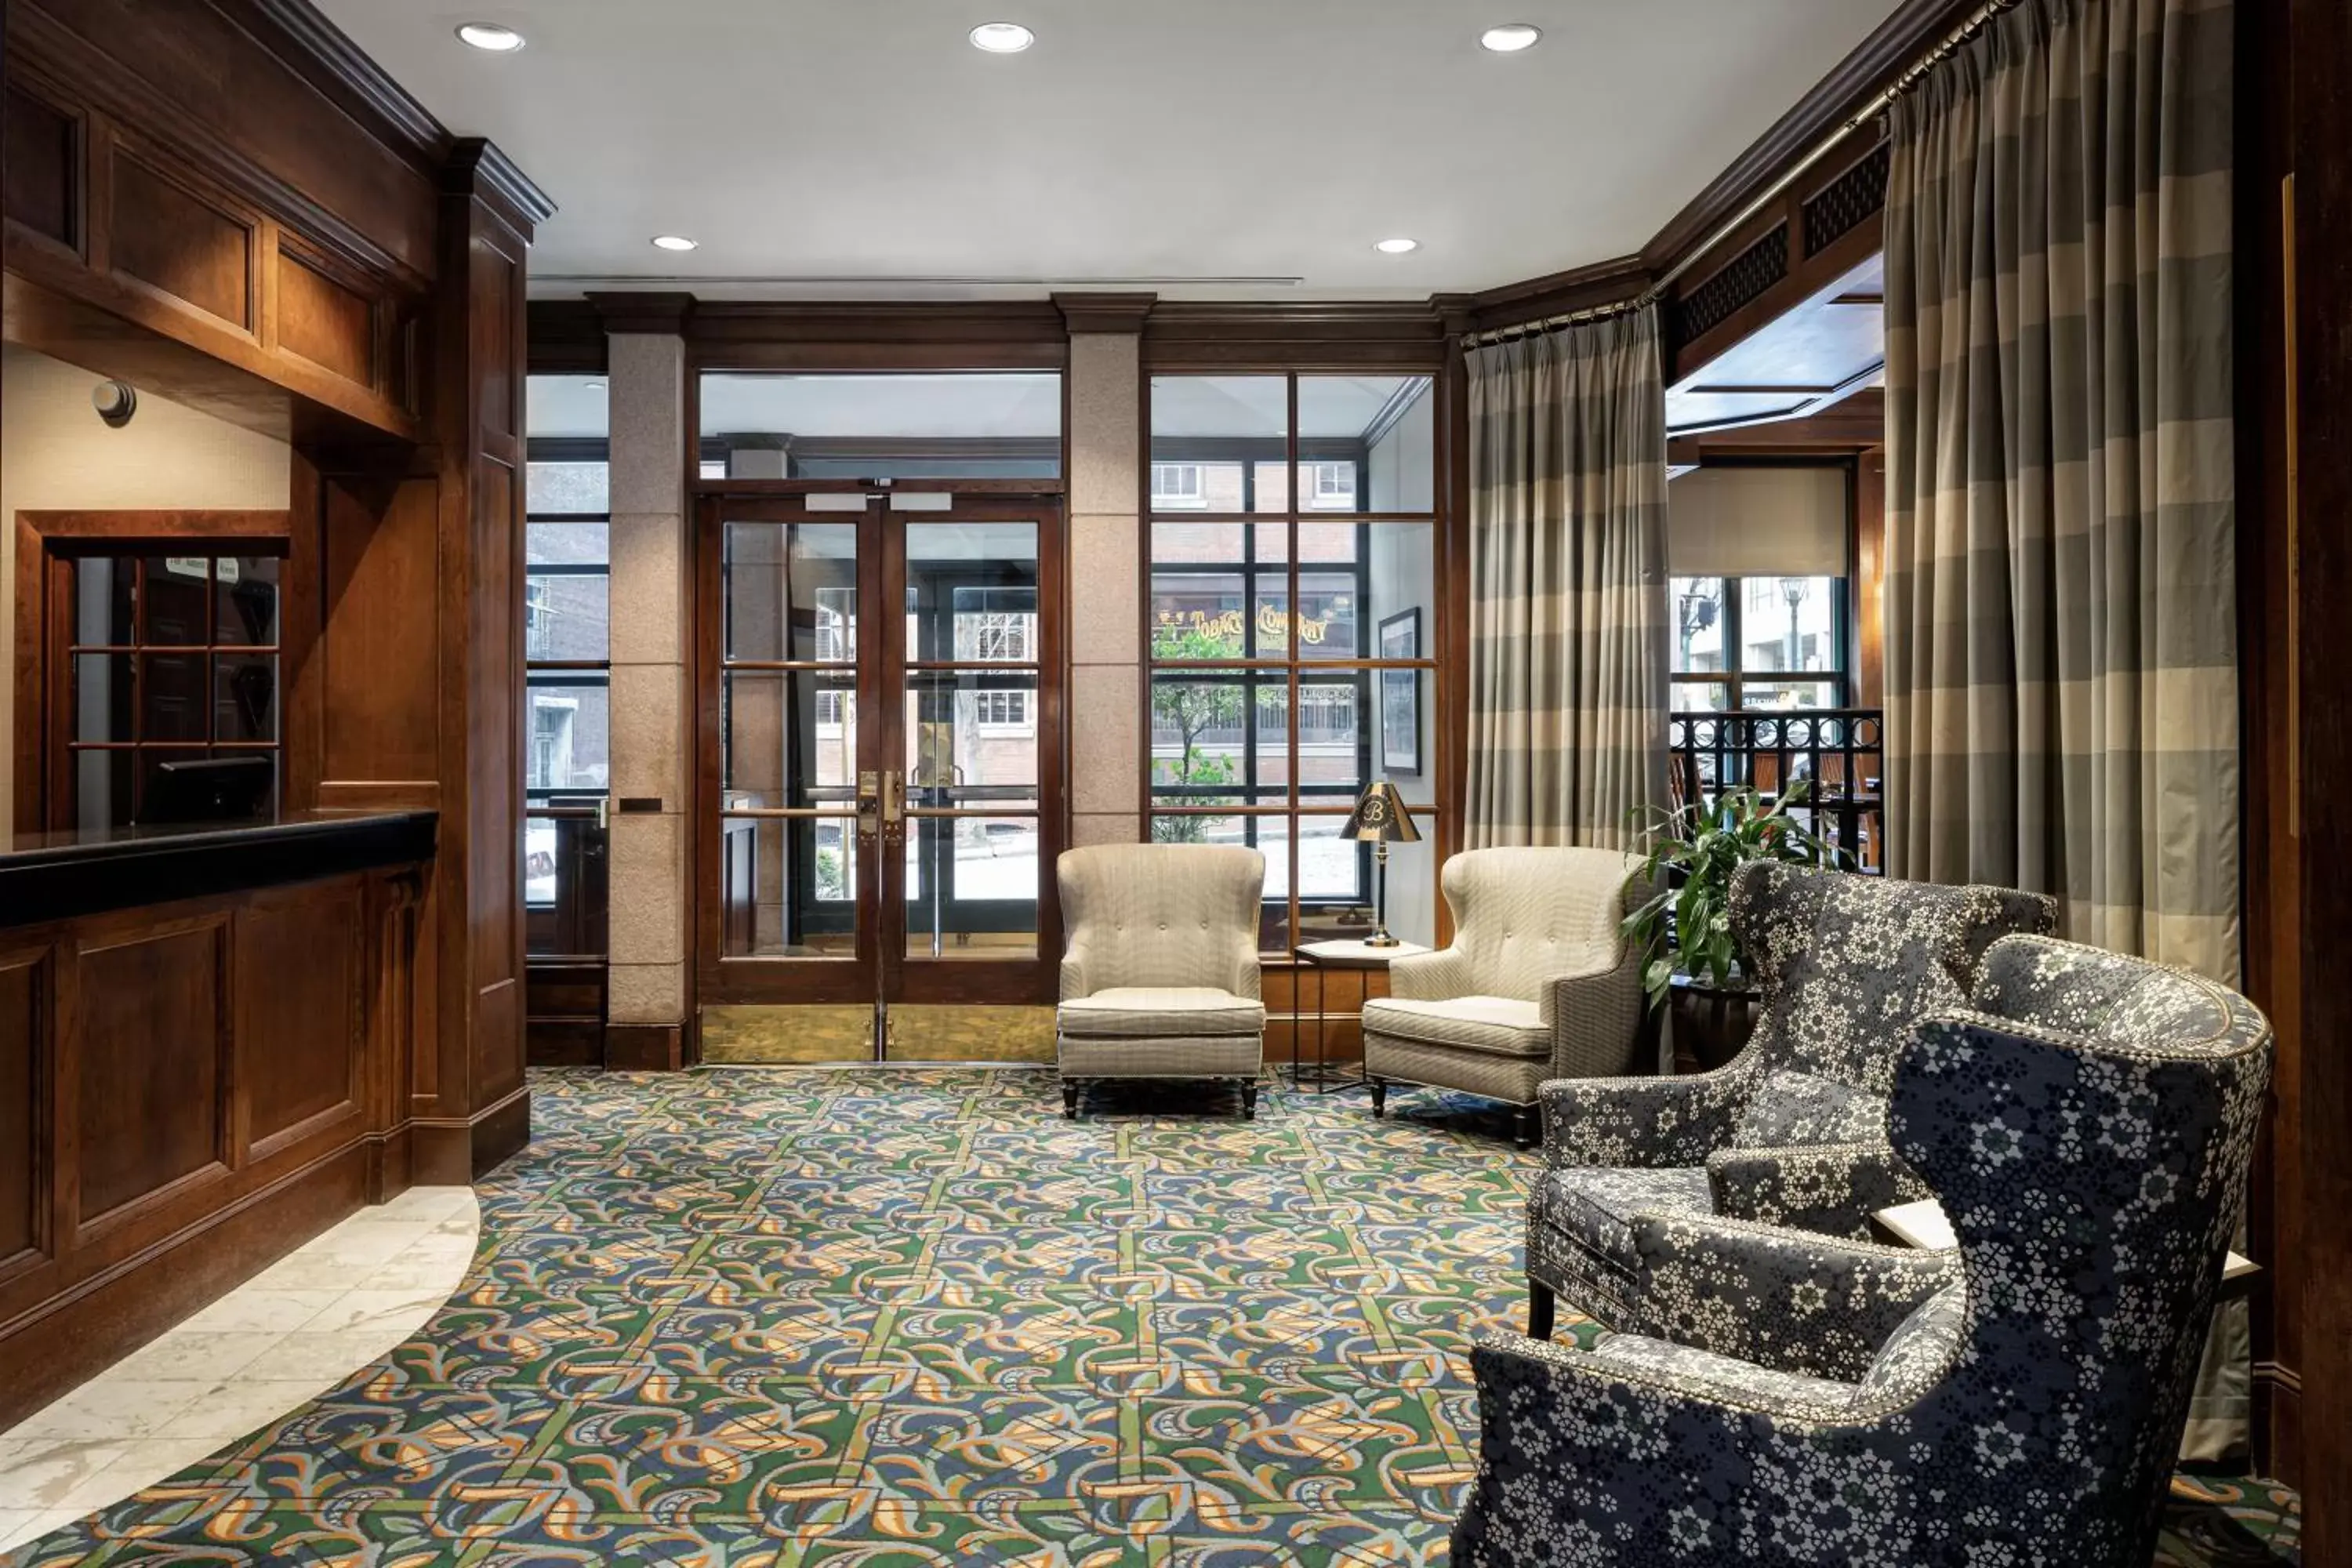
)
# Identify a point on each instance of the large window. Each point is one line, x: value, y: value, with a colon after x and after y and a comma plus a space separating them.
x: 1292, y: 630
x: 567, y: 649
x: 1758, y: 643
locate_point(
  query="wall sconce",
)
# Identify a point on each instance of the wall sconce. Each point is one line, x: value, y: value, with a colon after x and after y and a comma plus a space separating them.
x: 116, y: 401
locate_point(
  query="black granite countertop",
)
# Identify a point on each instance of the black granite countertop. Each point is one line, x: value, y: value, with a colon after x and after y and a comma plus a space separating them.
x: 58, y: 876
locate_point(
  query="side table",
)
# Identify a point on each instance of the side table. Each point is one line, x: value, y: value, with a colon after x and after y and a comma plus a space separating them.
x: 1324, y: 957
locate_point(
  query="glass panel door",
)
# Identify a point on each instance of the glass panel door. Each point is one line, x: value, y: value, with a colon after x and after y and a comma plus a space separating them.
x: 882, y: 787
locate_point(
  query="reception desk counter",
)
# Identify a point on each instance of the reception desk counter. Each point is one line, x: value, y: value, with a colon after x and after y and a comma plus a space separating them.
x: 203, y: 1037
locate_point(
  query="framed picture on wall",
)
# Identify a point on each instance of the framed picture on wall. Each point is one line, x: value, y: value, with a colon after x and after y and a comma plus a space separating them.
x: 1400, y: 637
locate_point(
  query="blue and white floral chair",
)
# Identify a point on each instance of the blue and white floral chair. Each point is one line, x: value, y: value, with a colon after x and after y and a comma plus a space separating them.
x: 2087, y: 1123
x: 1792, y: 1131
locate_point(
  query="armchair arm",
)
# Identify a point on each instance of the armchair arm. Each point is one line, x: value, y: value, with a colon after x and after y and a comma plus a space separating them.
x: 1781, y: 1299
x: 1643, y: 1121
x: 1595, y: 1019
x: 1832, y: 1189
x: 1073, y: 974
x: 1431, y: 976
x: 1584, y: 1462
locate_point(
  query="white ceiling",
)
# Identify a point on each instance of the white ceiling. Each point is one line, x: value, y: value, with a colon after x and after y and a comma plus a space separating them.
x: 1203, y: 148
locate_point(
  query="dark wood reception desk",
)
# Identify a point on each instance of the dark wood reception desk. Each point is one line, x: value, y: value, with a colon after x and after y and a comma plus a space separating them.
x: 204, y: 1042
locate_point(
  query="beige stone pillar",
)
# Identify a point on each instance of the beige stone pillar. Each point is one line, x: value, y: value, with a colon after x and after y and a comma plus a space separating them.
x: 650, y: 866
x: 1107, y: 701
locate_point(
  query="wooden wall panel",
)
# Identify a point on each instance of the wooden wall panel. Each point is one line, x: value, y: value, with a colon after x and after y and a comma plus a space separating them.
x: 379, y: 655
x: 42, y: 185
x: 325, y: 321
x: 163, y: 235
x: 300, y: 1011
x: 149, y: 1044
x: 24, y: 1035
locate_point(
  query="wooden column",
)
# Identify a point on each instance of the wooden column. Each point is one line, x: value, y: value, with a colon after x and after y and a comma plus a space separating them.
x: 474, y: 1109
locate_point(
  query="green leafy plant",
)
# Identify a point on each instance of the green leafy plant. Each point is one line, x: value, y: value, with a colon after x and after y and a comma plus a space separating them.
x: 1690, y: 857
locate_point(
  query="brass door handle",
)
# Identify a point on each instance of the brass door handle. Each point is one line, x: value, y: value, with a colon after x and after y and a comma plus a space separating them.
x: 894, y: 805
x: 869, y: 805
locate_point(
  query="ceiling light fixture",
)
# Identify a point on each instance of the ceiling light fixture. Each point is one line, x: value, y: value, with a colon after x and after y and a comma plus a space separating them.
x: 1002, y: 37
x: 490, y: 36
x: 1510, y: 38
x: 674, y: 242
x: 1396, y: 246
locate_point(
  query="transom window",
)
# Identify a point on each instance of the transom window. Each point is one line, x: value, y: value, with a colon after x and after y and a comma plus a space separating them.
x: 1758, y: 642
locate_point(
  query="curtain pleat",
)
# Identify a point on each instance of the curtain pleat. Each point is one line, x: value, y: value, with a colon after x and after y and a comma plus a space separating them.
x: 2062, y: 673
x: 1567, y: 592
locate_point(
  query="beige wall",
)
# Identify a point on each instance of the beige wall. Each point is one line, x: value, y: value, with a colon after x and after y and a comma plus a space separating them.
x: 56, y: 455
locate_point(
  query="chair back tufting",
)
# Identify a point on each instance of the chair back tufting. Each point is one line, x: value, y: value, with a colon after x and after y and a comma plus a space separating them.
x: 2087, y: 1127
x: 1161, y: 915
x: 1848, y: 964
x: 1523, y: 917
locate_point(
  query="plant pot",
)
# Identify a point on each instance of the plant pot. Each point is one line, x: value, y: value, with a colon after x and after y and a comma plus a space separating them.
x: 1710, y: 1023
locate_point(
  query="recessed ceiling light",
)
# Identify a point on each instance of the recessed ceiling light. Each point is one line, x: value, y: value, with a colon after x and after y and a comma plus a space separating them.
x: 1511, y: 38
x: 1396, y: 246
x: 489, y: 36
x: 674, y: 242
x: 1002, y: 37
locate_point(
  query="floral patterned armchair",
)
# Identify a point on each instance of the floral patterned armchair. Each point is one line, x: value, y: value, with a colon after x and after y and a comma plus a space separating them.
x: 1792, y: 1132
x: 2087, y: 1127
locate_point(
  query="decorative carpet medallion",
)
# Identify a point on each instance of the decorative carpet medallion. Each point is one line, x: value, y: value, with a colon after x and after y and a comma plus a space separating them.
x: 897, y: 1316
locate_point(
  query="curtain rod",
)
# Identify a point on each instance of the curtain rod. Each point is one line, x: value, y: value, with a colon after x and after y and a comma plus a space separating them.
x: 1952, y: 44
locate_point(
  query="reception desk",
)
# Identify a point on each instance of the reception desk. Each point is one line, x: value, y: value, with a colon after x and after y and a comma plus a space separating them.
x: 205, y: 1036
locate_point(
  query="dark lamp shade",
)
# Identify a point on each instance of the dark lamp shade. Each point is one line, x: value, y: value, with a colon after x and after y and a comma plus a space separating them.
x: 1381, y: 816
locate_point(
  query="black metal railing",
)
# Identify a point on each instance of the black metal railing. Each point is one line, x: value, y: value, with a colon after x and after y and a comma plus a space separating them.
x: 1836, y: 750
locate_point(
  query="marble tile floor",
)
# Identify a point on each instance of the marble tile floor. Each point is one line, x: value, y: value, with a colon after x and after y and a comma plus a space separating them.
x: 269, y: 1346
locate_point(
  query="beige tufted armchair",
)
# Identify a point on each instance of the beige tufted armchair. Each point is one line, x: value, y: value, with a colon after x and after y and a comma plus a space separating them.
x: 1160, y: 976
x: 1538, y: 983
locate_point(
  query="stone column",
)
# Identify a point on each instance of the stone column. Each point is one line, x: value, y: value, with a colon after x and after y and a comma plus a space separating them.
x: 1106, y: 563
x: 650, y: 866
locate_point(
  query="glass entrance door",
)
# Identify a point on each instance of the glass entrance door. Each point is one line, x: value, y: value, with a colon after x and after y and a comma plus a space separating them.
x: 880, y: 727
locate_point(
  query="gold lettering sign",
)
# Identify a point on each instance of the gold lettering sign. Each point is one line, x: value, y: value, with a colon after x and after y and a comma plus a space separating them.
x: 1273, y: 625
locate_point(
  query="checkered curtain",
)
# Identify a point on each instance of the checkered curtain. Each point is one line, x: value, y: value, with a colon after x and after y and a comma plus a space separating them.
x: 2062, y: 677
x: 1568, y: 587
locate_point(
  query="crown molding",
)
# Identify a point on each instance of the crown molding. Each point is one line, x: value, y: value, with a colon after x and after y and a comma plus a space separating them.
x: 478, y: 167
x: 322, y: 54
x: 1105, y: 312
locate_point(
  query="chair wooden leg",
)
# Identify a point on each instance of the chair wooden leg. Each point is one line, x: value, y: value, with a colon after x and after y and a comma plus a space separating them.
x: 1380, y: 1099
x: 1527, y: 1125
x: 1249, y: 1101
x: 1539, y: 1311
x: 1070, y: 1099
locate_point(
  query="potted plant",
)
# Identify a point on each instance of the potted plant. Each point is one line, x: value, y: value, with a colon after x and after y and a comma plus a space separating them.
x: 1683, y: 928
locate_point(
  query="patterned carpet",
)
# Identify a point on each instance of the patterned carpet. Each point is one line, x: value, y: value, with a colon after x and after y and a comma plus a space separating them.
x: 885, y: 1318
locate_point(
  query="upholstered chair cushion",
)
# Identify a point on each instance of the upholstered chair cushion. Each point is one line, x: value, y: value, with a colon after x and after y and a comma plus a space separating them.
x: 1915, y: 1356
x: 1580, y: 1229
x: 1498, y: 1026
x: 1134, y: 1011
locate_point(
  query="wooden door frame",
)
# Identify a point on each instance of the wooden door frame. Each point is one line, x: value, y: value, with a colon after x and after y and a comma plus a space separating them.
x: 48, y: 543
x: 888, y: 972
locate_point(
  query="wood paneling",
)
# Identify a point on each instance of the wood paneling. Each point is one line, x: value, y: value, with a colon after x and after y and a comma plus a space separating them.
x: 147, y: 1048
x: 24, y: 1035
x: 41, y: 188
x: 327, y: 322
x: 302, y: 1013
x: 179, y: 1108
x: 164, y: 236
x: 376, y: 704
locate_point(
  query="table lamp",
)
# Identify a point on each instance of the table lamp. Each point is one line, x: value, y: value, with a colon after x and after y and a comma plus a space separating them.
x: 1380, y: 820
